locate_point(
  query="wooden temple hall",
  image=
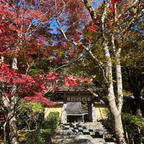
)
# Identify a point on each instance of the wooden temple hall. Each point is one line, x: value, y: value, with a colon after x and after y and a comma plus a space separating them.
x: 77, y: 106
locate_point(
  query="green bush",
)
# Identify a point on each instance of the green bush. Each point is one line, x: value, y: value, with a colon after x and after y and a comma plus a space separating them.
x: 26, y: 136
x: 29, y: 115
x: 133, y: 127
x: 47, y: 128
x: 43, y: 134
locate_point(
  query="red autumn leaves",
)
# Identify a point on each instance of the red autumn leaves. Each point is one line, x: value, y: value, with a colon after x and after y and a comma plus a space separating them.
x: 34, y: 88
x: 115, y: 1
x: 29, y: 87
x: 73, y: 81
x: 93, y: 29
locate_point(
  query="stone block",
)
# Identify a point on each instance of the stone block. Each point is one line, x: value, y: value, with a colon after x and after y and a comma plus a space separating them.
x: 91, y: 130
x: 80, y: 128
x: 84, y: 127
x: 92, y: 133
x: 83, y: 137
x: 80, y: 133
x: 109, y: 140
x: 86, y: 132
x: 98, y: 141
x: 100, y: 131
x: 97, y: 135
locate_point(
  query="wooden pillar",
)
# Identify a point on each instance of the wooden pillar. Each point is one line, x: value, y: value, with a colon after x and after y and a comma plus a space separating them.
x: 83, y: 118
x: 94, y: 119
x: 64, y: 114
x: 89, y: 111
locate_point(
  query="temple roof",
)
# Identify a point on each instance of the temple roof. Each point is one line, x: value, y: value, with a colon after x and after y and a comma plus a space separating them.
x: 75, y: 96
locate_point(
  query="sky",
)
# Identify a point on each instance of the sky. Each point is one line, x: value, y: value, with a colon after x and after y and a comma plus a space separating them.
x: 53, y: 23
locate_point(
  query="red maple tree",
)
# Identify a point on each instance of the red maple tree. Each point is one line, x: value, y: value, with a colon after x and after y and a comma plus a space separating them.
x: 21, y: 40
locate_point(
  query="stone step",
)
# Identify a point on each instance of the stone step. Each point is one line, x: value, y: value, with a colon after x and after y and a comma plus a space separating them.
x: 82, y: 133
x: 98, y: 141
x: 109, y: 139
x: 110, y: 143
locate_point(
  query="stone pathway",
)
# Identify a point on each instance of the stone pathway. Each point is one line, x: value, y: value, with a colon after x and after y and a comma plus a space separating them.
x: 82, y: 133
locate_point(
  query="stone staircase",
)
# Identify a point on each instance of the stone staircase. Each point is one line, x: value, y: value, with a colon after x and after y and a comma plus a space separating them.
x: 82, y: 133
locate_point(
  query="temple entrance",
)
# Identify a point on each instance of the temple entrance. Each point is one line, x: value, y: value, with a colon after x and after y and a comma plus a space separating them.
x: 78, y: 112
x: 77, y: 106
x: 76, y: 118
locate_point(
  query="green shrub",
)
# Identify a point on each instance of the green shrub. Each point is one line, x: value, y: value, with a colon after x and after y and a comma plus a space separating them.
x: 26, y: 136
x: 43, y: 134
x: 29, y: 115
x: 133, y: 127
x: 35, y: 107
x: 47, y: 128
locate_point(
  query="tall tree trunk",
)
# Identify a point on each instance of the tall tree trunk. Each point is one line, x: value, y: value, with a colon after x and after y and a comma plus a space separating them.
x: 11, y: 111
x: 9, y: 104
x: 12, y: 122
x: 116, y: 113
x: 119, y: 128
x: 117, y: 52
x: 119, y: 99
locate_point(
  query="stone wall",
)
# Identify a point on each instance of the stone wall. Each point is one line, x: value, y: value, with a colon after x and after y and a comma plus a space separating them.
x: 101, y: 110
x: 57, y: 108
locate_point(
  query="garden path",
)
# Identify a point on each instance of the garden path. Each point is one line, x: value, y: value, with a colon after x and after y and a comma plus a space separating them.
x: 82, y: 133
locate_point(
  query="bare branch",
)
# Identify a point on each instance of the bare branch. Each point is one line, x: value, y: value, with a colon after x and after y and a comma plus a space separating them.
x: 104, y: 16
x: 61, y: 29
x: 90, y: 9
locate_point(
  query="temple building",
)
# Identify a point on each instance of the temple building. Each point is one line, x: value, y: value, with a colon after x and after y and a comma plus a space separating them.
x: 77, y: 106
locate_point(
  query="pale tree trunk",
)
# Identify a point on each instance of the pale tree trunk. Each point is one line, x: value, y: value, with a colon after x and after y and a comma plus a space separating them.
x: 119, y: 96
x: 9, y: 104
x: 12, y: 120
x: 119, y: 128
x: 115, y: 108
x: 11, y: 112
x: 117, y: 53
x: 2, y: 59
x: 116, y: 113
x: 119, y: 84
